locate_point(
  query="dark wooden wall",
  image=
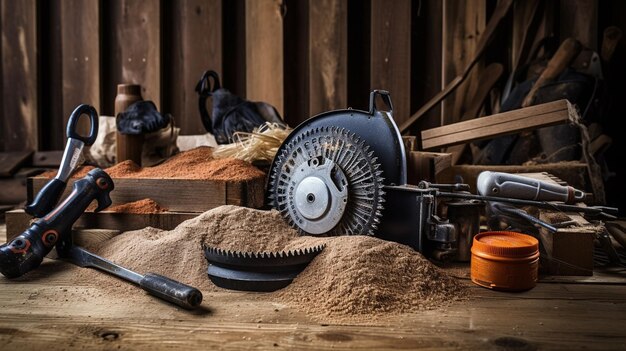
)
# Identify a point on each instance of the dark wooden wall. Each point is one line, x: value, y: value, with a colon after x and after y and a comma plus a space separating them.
x: 303, y: 56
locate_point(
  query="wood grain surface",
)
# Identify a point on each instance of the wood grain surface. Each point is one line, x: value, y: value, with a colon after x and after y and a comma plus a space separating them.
x: 390, y: 53
x: 49, y: 310
x: 18, y: 106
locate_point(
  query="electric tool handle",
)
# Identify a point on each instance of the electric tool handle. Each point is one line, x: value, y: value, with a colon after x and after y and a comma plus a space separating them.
x: 171, y: 290
x: 499, y: 184
x: 27, y: 250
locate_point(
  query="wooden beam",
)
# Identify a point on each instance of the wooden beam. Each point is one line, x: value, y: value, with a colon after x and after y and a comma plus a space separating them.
x: 579, y: 20
x: 390, y: 53
x: 194, y: 45
x: 17, y: 221
x: 182, y: 195
x: 328, y: 54
x: 80, y: 45
x: 18, y: 122
x: 463, y: 23
x: 133, y: 52
x: 264, y: 52
x: 552, y: 113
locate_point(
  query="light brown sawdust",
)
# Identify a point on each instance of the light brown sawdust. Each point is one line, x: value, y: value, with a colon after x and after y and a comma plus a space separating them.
x: 353, y: 279
x: 196, y: 163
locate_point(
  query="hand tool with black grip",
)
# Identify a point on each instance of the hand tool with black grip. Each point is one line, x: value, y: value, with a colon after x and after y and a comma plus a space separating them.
x: 26, y: 252
x: 50, y: 194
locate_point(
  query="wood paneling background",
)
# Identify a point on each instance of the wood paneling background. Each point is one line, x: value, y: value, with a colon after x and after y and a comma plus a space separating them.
x: 303, y: 56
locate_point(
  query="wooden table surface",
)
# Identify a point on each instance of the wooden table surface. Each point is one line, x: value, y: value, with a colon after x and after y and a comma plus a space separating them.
x: 47, y: 311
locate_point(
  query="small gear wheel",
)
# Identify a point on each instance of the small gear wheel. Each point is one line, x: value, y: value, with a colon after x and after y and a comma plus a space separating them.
x: 327, y: 181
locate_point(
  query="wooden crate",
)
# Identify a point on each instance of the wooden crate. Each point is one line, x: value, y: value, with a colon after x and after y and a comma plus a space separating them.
x: 177, y: 195
x: 17, y: 221
x: 184, y: 199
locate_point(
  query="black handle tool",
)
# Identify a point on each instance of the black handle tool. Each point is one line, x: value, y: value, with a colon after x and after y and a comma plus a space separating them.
x: 50, y: 194
x: 25, y: 252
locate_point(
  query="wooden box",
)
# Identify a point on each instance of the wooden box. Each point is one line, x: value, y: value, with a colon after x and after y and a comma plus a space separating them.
x: 184, y: 199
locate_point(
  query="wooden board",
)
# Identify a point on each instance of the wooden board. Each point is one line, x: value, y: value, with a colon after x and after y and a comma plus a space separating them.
x: 490, y: 320
x: 11, y: 161
x: 80, y: 59
x: 529, y: 118
x: 18, y: 107
x: 17, y: 221
x: 194, y: 39
x: 132, y: 37
x: 180, y: 195
x: 264, y: 52
x: 426, y: 166
x: 390, y: 53
x: 463, y: 22
x: 328, y: 55
x: 579, y: 20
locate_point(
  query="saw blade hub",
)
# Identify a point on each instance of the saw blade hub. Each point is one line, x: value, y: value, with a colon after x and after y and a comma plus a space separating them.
x: 320, y: 195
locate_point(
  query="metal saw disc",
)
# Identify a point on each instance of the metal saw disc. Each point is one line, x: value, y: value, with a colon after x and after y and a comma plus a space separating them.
x: 327, y: 181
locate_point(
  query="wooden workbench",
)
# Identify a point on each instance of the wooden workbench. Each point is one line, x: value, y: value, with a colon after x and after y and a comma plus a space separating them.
x: 46, y: 311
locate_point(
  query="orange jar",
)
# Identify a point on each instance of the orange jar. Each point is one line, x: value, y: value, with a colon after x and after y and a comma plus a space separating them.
x: 505, y: 261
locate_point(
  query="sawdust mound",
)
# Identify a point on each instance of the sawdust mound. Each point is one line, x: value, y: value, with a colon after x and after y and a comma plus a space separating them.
x: 354, y: 277
x: 178, y: 253
x: 360, y: 275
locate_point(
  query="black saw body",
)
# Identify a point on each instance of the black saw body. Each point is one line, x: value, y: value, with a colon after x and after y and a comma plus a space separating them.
x: 334, y: 157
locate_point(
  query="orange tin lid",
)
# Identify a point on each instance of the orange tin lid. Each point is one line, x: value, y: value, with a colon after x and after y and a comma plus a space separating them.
x: 505, y: 244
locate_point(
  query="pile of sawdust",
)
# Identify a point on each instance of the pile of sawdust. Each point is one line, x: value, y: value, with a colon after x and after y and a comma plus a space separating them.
x: 353, y: 278
x: 196, y: 163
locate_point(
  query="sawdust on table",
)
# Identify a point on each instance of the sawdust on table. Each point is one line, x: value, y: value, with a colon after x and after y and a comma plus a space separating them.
x: 354, y: 279
x: 196, y: 163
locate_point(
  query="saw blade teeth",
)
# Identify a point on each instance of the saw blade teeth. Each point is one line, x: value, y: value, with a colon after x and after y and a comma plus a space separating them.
x: 351, y: 155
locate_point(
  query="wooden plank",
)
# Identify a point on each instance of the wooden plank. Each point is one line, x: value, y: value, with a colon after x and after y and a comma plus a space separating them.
x: 510, y: 122
x: 18, y: 25
x: 17, y: 221
x: 328, y: 55
x: 297, y: 44
x: 50, y: 86
x: 579, y: 20
x: 390, y: 53
x: 181, y: 195
x: 426, y: 69
x: 11, y: 161
x: 426, y: 166
x: 463, y: 22
x: 85, y: 314
x: 264, y: 52
x: 195, y: 46
x: 50, y: 159
x: 132, y: 47
x: 80, y: 57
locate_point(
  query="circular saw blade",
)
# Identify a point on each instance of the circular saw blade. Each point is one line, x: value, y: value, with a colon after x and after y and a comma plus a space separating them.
x: 327, y: 181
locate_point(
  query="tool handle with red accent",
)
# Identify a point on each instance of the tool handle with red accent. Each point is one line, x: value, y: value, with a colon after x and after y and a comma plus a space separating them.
x: 27, y: 250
